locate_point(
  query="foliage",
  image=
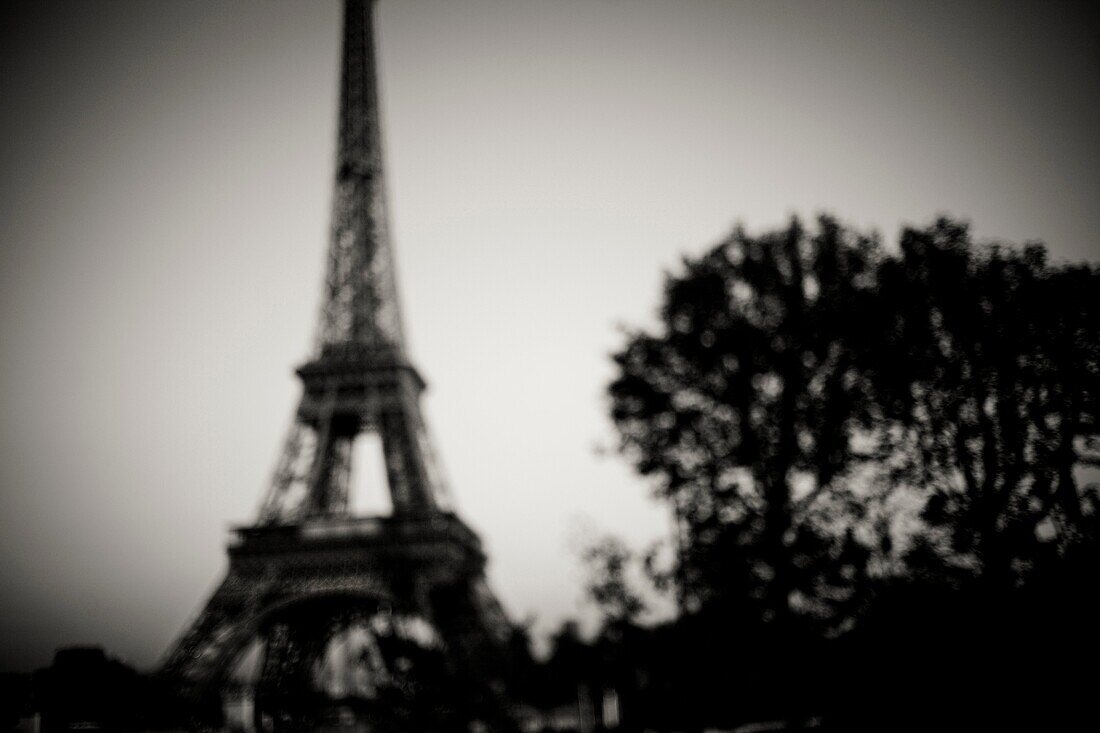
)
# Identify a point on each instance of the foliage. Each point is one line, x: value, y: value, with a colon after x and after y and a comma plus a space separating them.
x: 608, y: 561
x: 743, y: 407
x: 806, y: 395
x: 990, y: 365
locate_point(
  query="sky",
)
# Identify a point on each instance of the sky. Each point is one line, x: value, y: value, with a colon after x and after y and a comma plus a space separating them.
x: 165, y: 174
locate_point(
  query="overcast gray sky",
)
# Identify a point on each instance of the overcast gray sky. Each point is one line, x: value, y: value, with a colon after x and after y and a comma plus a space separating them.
x: 164, y: 190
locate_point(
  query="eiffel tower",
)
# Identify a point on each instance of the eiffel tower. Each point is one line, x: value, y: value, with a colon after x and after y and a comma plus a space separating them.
x: 309, y: 577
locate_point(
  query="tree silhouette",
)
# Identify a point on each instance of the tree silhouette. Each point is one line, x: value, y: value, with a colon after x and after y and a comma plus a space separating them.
x: 802, y: 390
x: 743, y: 409
x: 991, y: 367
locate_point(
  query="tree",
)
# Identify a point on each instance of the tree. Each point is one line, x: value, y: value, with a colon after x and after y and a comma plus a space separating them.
x: 990, y: 366
x: 796, y: 375
x: 607, y: 561
x: 743, y: 409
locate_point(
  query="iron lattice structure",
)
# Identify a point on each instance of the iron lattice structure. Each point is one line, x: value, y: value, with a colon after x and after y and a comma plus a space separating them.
x: 308, y: 567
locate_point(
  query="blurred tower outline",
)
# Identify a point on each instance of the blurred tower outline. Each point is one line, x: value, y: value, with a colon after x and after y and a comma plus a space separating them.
x: 307, y: 550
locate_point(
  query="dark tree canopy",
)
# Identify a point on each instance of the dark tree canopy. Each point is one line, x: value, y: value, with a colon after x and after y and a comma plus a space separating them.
x: 743, y: 408
x: 990, y: 366
x: 883, y: 464
x: 967, y: 375
x: 608, y: 561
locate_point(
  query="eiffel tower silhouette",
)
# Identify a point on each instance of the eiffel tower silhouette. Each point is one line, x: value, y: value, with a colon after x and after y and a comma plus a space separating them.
x: 309, y: 575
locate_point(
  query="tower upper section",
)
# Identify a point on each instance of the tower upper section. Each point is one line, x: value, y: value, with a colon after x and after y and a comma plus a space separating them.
x: 360, y: 310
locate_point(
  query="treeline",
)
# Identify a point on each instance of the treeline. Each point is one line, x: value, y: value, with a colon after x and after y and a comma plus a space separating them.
x: 882, y: 464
